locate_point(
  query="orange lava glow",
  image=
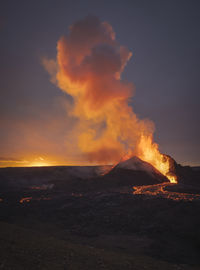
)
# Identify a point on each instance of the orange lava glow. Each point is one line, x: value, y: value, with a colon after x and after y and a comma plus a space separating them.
x: 39, y: 164
x: 35, y: 161
x: 25, y: 199
x: 160, y: 190
x: 149, y: 152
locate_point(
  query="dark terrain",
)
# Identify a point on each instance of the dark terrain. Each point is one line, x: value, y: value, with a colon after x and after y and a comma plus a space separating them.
x: 78, y: 218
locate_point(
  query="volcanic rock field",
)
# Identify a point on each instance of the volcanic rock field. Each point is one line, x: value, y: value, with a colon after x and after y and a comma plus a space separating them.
x: 126, y: 216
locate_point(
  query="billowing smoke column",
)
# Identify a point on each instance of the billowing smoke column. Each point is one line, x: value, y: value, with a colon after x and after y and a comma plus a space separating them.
x: 88, y: 67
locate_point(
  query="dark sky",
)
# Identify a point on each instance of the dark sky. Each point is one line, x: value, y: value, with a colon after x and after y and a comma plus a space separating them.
x: 164, y: 38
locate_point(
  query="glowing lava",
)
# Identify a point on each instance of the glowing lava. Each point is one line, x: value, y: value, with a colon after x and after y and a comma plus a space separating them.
x: 25, y: 199
x: 148, y: 151
x: 159, y: 190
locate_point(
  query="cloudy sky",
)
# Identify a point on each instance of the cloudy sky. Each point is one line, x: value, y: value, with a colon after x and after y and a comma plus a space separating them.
x: 164, y: 39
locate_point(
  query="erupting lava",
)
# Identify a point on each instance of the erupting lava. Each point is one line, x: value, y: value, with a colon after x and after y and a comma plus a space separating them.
x: 88, y: 67
x: 148, y: 151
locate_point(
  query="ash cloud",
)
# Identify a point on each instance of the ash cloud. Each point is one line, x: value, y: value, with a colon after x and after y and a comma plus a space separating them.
x: 89, y: 66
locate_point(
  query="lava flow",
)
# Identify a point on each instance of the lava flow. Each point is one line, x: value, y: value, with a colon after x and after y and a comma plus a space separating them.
x: 159, y: 190
x: 29, y: 199
x: 25, y: 199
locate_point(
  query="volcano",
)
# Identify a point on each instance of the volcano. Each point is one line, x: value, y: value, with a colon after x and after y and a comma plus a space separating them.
x: 131, y: 172
x: 136, y: 164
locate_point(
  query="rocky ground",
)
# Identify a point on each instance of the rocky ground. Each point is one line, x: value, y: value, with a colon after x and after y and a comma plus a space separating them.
x: 59, y: 218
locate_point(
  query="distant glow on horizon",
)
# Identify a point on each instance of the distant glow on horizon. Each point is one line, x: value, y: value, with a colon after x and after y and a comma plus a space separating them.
x: 35, y: 162
x: 48, y: 162
x: 39, y: 164
x: 42, y: 162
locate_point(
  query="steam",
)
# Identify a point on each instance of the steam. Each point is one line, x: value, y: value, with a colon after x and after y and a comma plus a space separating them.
x: 88, y: 67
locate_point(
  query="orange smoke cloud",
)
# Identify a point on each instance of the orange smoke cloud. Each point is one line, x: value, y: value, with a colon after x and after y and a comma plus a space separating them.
x: 88, y: 67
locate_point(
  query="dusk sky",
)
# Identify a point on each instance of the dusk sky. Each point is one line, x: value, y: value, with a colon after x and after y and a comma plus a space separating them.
x: 164, y: 39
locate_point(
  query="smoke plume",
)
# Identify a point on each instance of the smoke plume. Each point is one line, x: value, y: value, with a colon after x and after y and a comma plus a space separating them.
x: 88, y: 67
